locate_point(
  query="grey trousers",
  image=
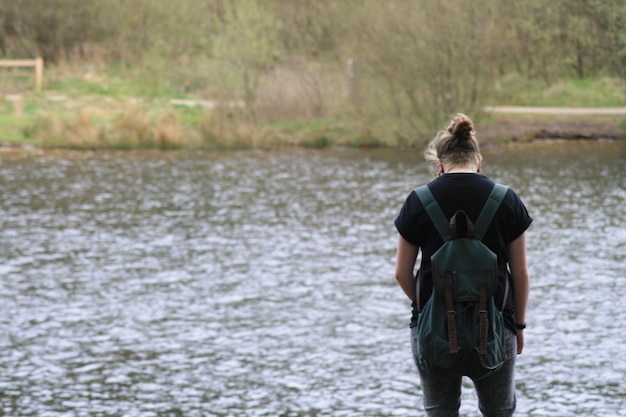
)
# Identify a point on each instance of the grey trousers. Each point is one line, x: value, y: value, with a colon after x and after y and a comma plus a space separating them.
x: 496, y: 393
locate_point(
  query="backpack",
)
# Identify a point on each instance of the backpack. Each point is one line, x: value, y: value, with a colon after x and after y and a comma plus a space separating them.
x: 460, y: 330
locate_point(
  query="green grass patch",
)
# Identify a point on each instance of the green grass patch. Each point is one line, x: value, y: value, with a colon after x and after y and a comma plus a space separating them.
x: 597, y: 92
x: 112, y: 81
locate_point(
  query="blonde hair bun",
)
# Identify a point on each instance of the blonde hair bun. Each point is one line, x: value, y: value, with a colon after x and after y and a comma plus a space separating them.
x: 462, y: 127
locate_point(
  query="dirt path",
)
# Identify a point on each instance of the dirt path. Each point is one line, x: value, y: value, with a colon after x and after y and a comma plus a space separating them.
x: 561, y: 111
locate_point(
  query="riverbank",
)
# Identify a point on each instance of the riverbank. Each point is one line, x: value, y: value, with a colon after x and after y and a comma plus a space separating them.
x: 496, y: 128
x: 96, y: 127
x: 94, y: 111
x: 526, y: 127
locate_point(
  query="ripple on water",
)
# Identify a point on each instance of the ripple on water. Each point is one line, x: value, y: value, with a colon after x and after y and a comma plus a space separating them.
x: 261, y: 283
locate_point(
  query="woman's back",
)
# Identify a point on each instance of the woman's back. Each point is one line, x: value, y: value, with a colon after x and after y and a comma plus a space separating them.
x: 455, y: 153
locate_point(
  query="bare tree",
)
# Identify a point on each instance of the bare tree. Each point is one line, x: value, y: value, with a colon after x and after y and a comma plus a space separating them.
x: 610, y: 15
x: 422, y: 60
x: 245, y: 47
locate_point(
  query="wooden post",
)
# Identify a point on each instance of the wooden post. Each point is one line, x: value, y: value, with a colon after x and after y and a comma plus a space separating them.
x: 18, y: 104
x: 38, y: 73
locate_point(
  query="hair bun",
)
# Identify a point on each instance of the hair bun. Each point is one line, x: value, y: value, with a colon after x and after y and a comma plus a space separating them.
x: 462, y: 127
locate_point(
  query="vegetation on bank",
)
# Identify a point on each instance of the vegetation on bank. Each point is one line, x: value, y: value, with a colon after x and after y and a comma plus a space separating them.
x: 245, y: 73
x: 82, y: 109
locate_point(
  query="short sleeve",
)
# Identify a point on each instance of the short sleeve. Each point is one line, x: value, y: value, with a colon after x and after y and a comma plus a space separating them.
x: 406, y: 222
x: 520, y: 219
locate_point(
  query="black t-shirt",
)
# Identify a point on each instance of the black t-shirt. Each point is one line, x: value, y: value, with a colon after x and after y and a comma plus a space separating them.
x: 468, y: 192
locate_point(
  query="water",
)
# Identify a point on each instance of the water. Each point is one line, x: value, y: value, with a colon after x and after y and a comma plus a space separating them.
x: 261, y: 283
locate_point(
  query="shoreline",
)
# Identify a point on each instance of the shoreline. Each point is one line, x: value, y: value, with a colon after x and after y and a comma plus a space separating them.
x: 569, y: 125
x: 502, y: 125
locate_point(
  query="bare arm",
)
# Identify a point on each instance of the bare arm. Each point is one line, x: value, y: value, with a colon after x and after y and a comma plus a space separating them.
x: 521, y: 283
x: 405, y: 264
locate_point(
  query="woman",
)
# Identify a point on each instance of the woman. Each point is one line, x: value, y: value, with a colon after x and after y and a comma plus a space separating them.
x: 459, y: 186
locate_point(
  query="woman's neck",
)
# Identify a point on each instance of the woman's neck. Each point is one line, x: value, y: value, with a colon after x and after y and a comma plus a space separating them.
x: 462, y: 169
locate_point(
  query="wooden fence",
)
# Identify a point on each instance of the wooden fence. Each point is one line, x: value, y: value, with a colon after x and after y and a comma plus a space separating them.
x: 36, y: 63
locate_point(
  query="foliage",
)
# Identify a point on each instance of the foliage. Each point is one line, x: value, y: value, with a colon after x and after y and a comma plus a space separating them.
x: 610, y: 17
x: 566, y: 92
x: 394, y: 68
x: 245, y: 48
x: 425, y: 59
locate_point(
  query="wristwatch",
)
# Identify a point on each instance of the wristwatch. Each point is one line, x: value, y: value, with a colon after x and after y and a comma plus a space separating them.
x: 520, y: 326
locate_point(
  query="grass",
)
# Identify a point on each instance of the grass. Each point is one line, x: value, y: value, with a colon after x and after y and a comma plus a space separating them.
x: 597, y: 92
x: 87, y: 108
x: 13, y: 127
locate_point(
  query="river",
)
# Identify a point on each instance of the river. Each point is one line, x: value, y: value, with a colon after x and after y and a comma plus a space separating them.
x: 260, y: 283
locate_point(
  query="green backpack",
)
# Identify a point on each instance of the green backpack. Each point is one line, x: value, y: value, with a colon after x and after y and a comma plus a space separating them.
x: 460, y: 329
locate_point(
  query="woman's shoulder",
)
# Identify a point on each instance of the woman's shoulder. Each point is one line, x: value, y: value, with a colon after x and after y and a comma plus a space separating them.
x: 517, y: 211
x: 511, y: 195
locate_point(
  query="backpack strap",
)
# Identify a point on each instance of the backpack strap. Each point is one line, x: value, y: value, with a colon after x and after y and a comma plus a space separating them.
x: 434, y: 211
x: 441, y: 222
x: 451, y: 317
x: 482, y: 319
x: 489, y: 210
